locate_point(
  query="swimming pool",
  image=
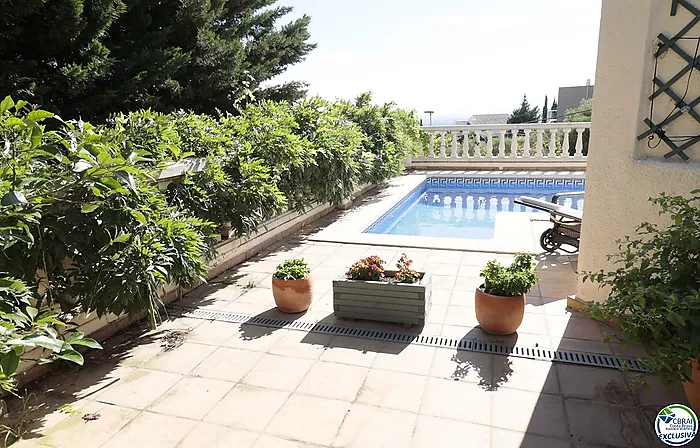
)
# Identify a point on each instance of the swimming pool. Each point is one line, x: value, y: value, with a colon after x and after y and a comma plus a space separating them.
x: 467, y: 208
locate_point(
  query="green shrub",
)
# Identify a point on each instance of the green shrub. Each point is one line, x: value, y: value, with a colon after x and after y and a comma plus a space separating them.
x: 23, y: 328
x: 390, y: 134
x: 82, y: 219
x: 267, y: 131
x: 654, y: 293
x: 293, y: 269
x: 513, y: 280
x: 336, y: 169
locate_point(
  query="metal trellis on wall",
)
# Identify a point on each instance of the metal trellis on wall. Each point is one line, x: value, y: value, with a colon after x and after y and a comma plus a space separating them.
x: 677, y: 143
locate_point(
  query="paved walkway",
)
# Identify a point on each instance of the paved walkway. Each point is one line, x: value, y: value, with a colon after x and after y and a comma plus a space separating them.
x: 197, y: 383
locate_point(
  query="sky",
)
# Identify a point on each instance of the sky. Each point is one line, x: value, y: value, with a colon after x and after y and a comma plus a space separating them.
x: 456, y: 57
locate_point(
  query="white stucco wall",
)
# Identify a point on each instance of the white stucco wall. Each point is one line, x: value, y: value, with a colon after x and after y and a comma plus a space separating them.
x: 622, y: 172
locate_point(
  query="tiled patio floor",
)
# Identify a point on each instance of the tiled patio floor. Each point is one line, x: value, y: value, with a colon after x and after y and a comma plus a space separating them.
x: 197, y: 383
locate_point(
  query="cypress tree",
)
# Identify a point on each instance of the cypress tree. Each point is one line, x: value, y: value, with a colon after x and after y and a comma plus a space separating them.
x: 90, y: 58
x: 545, y: 110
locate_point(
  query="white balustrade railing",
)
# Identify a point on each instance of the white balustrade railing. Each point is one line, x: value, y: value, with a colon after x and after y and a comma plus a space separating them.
x: 538, y: 143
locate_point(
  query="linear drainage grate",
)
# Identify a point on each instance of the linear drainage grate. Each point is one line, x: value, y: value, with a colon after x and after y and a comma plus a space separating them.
x: 473, y: 345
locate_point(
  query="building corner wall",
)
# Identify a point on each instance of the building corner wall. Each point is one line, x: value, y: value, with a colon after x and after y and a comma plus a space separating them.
x: 618, y: 185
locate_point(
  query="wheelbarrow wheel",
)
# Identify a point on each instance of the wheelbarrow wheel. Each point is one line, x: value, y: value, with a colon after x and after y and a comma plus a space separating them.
x: 547, y: 241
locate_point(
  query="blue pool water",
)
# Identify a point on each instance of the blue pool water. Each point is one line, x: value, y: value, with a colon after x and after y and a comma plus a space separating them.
x: 467, y: 208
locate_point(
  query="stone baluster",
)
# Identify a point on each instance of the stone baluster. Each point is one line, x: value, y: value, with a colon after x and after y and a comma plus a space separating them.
x: 477, y: 144
x: 540, y: 142
x: 489, y: 144
x: 442, y: 145
x: 579, y: 144
x: 552, y: 143
x: 453, y: 148
x: 502, y: 144
x: 514, y: 143
x: 431, y: 145
x: 526, y: 144
x: 565, y: 143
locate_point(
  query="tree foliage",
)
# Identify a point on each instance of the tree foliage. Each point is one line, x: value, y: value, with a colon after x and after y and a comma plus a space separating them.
x: 83, y: 58
x: 525, y: 113
x: 582, y: 112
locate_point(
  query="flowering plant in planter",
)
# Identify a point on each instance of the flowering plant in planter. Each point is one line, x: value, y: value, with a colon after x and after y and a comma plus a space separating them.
x: 405, y: 274
x: 370, y: 268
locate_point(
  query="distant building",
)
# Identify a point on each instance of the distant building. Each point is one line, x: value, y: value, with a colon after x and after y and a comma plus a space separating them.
x: 570, y: 97
x: 485, y: 119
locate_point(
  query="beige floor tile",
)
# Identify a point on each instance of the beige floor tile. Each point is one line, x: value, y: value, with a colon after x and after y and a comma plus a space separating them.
x: 404, y: 358
x: 462, y: 365
x: 206, y: 435
x: 440, y: 296
x: 152, y: 431
x: 309, y: 419
x: 442, y: 268
x: 468, y: 283
x: 513, y: 439
x: 278, y: 372
x: 217, y: 291
x: 212, y: 332
x: 524, y: 374
x: 204, y: 303
x: 534, y: 324
x: 477, y: 258
x: 445, y: 256
x: 580, y: 345
x: 462, y: 297
x: 401, y: 391
x: 437, y: 314
x: 247, y: 407
x: 574, y: 328
x: 457, y: 400
x: 592, y: 383
x: 331, y: 380
x: 138, y: 354
x: 254, y: 337
x: 327, y: 272
x: 529, y: 412
x: 74, y: 432
x: 433, y: 432
x: 267, y: 441
x: 321, y: 249
x: 444, y: 281
x: 266, y: 266
x: 555, y: 307
x: 191, y: 398
x: 349, y: 350
x: 251, y: 309
x: 470, y: 270
x: 461, y: 315
x: 175, y: 323
x: 181, y: 359
x: 591, y: 423
x: 257, y: 296
x: 229, y: 364
x: 369, y: 427
x: 657, y: 394
x: 300, y: 344
x: 140, y: 389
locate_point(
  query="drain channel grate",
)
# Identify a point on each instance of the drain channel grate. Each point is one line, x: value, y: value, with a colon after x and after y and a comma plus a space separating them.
x: 473, y: 345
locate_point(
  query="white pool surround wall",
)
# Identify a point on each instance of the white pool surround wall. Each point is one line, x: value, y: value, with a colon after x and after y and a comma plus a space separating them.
x: 622, y: 172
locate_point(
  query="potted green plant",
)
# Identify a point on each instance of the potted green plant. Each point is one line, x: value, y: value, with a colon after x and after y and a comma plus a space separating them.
x: 654, y: 294
x: 292, y: 286
x: 500, y: 301
x: 368, y: 291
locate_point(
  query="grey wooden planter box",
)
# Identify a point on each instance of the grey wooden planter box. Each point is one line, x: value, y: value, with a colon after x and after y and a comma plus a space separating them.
x: 402, y: 303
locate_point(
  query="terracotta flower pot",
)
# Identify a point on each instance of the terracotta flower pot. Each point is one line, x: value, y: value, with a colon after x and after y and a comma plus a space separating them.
x: 292, y: 296
x: 692, y: 390
x: 497, y: 314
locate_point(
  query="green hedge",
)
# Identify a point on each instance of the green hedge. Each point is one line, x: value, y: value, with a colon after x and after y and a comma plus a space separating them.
x: 82, y: 218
